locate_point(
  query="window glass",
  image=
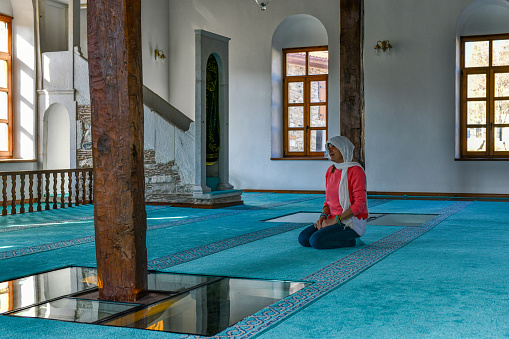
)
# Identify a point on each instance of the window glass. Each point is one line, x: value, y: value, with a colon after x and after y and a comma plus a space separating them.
x: 296, y: 64
x: 318, y: 116
x: 3, y: 74
x: 476, y: 139
x: 476, y: 84
x: 502, y: 139
x: 4, y: 137
x: 318, y: 140
x: 296, y: 141
x: 501, y: 52
x: 4, y: 105
x: 502, y: 84
x: 296, y: 116
x: 4, y: 37
x: 501, y: 111
x: 318, y: 91
x: 318, y: 62
x: 476, y: 112
x: 296, y: 92
x: 477, y: 53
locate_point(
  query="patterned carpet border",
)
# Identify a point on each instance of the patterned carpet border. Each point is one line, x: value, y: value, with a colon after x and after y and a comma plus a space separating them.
x: 332, y: 276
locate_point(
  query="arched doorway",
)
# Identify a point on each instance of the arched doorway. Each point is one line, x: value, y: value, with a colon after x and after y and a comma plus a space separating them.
x: 57, y: 145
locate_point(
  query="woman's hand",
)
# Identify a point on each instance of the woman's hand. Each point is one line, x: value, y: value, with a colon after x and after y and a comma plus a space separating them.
x: 318, y: 223
x: 327, y: 222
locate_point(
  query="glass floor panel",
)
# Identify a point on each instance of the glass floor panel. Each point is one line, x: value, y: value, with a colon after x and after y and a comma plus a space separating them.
x: 34, y: 289
x: 379, y: 219
x: 299, y: 217
x: 408, y: 220
x: 172, y: 282
x: 209, y: 309
x: 75, y: 310
x: 181, y: 303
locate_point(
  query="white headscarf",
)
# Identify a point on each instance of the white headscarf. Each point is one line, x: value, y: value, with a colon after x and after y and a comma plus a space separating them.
x: 346, y: 148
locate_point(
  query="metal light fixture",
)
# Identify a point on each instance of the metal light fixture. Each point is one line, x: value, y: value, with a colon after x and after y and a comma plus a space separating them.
x: 263, y: 4
x: 159, y: 55
x: 382, y: 45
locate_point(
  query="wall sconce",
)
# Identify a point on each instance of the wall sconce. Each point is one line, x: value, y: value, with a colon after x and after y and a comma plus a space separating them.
x: 159, y: 55
x: 382, y: 45
x: 263, y: 4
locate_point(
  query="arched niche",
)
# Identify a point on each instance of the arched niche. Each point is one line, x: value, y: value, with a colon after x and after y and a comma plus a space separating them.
x: 301, y: 30
x: 210, y: 46
x: 57, y: 140
x: 481, y: 17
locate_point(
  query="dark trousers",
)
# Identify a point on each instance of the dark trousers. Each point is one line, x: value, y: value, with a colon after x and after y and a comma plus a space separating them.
x: 334, y: 236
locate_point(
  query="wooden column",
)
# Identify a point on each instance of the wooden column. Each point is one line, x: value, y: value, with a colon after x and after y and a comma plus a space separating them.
x: 352, y: 74
x: 114, y: 50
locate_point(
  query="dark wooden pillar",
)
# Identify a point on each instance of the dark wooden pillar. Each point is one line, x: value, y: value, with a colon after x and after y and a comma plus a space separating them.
x: 352, y: 74
x: 114, y: 50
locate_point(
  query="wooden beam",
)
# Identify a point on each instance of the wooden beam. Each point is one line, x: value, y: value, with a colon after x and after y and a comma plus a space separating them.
x: 114, y: 50
x: 352, y: 75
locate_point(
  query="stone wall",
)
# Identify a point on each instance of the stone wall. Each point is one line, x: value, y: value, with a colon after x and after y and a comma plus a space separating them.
x: 163, y: 181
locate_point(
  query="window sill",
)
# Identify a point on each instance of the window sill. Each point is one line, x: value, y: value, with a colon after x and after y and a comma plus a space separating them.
x: 481, y: 159
x: 3, y: 161
x: 300, y: 158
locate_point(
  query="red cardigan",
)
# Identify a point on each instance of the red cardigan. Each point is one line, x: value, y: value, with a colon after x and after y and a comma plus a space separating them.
x: 356, y: 188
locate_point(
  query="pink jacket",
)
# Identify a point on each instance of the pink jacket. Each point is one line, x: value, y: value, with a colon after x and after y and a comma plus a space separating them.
x: 356, y: 187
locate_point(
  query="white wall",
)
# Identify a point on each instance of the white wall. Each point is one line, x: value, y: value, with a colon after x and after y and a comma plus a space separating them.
x: 410, y: 102
x: 155, y: 35
x: 5, y: 7
x: 251, y: 32
x: 410, y: 92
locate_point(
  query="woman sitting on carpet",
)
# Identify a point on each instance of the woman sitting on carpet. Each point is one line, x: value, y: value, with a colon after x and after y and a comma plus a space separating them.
x: 345, y: 210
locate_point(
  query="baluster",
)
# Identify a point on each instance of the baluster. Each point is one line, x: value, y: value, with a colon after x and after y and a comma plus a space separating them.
x: 4, y: 195
x: 69, y: 188
x: 22, y: 192
x: 83, y: 189
x: 39, y: 191
x: 13, y: 194
x: 90, y: 188
x: 55, y: 192
x: 77, y: 186
x: 46, y: 176
x: 62, y: 190
x: 31, y: 192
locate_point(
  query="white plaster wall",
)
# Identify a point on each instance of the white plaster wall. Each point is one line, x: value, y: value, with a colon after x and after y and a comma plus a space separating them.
x: 251, y: 32
x: 410, y: 102
x: 410, y: 92
x: 155, y: 35
x: 5, y: 7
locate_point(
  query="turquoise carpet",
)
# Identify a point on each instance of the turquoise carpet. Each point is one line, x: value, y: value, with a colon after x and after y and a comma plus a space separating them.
x: 446, y: 278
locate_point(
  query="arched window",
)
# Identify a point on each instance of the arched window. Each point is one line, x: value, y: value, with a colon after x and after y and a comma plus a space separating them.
x: 5, y: 86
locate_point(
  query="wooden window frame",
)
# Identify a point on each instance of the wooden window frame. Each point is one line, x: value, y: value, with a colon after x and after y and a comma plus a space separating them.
x: 490, y: 124
x: 307, y: 129
x: 8, y: 58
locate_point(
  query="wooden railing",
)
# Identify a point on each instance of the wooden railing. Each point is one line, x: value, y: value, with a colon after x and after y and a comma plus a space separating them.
x: 45, y: 189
